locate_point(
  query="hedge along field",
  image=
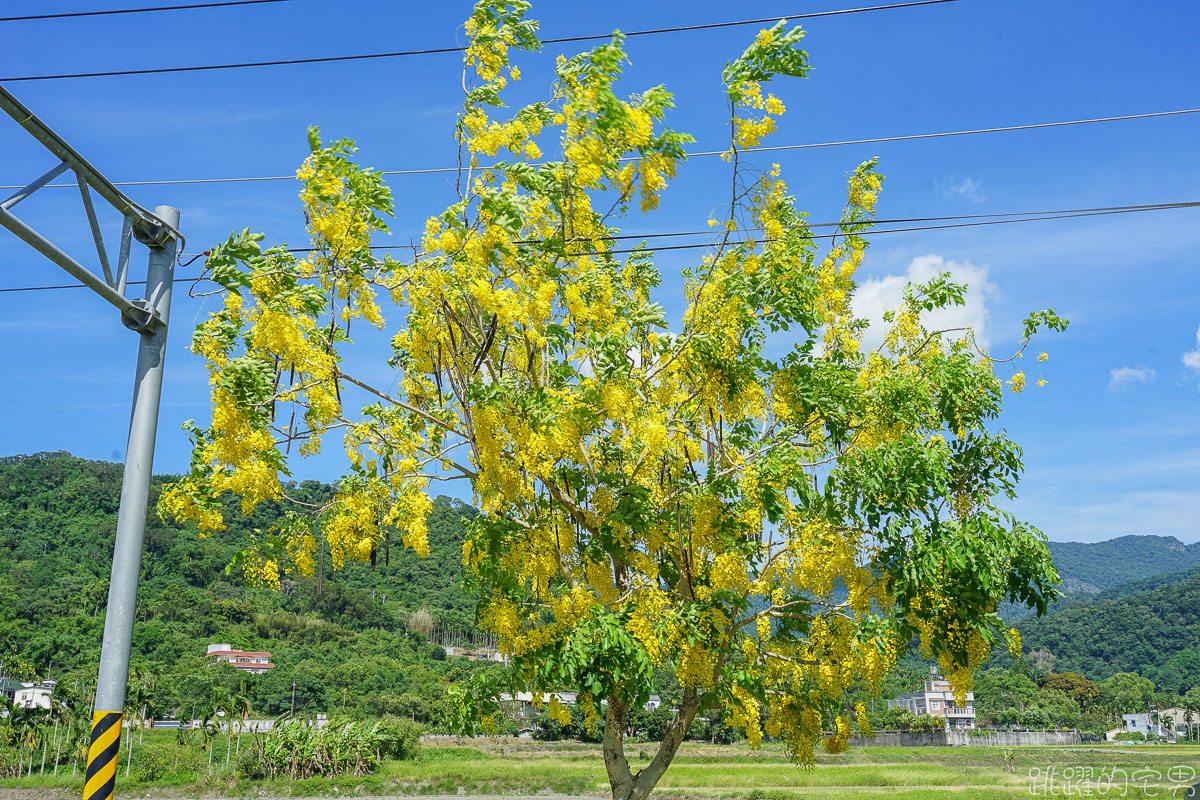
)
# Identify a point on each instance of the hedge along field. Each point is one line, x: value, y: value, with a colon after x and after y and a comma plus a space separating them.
x: 519, y: 767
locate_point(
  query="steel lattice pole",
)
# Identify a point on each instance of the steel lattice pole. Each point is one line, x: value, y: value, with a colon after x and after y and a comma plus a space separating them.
x: 131, y: 519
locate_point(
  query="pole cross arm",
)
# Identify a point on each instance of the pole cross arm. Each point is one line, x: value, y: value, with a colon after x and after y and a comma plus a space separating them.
x: 148, y: 229
x: 137, y: 314
x: 55, y: 254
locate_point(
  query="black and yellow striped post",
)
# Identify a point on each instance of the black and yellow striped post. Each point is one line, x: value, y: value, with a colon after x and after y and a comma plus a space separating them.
x: 102, y: 756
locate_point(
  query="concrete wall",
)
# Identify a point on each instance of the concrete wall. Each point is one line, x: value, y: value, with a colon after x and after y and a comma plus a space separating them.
x: 1013, y: 738
x: 966, y: 739
x: 901, y: 739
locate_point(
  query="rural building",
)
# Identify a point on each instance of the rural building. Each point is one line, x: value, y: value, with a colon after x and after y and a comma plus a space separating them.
x: 253, y: 662
x: 522, y: 703
x: 9, y: 688
x: 938, y: 701
x: 1156, y: 722
x: 34, y: 695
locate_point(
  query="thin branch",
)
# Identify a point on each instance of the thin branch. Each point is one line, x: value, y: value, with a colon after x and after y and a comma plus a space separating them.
x: 410, y: 408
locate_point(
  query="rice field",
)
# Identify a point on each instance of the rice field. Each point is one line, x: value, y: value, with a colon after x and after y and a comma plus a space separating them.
x: 506, y: 767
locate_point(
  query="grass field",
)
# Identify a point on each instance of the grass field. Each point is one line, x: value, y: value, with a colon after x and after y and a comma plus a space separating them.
x: 513, y: 767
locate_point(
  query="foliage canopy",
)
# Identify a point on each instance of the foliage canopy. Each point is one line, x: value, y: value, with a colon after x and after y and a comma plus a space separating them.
x: 775, y: 525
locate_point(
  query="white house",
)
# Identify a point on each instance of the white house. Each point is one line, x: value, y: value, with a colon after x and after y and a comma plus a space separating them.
x: 1156, y: 722
x: 938, y: 701
x: 523, y: 701
x: 256, y: 663
x: 34, y: 695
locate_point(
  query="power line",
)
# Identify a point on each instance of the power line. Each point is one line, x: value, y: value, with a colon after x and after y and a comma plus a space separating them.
x: 438, y: 50
x: 1005, y: 129
x: 68, y: 14
x: 775, y: 148
x: 1056, y: 214
x: 1131, y: 210
x: 972, y: 220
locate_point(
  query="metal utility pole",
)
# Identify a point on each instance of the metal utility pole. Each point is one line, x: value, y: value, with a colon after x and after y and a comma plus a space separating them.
x: 147, y: 316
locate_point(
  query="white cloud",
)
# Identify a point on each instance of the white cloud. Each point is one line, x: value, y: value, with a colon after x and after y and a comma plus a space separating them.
x: 1191, y: 359
x: 1162, y: 512
x: 876, y: 295
x: 968, y: 187
x: 1123, y: 376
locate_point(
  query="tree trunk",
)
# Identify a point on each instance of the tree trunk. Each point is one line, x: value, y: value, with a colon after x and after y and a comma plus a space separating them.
x: 45, y: 744
x: 625, y: 785
x: 129, y: 754
x: 620, y: 779
x: 227, y: 744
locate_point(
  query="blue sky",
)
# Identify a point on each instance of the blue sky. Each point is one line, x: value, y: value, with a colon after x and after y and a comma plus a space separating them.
x: 1112, y: 442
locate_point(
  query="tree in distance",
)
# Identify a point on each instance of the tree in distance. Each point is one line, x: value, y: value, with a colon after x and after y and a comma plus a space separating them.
x: 748, y: 496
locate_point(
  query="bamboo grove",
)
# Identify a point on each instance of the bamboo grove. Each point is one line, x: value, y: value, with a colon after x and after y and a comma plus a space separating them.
x: 746, y: 494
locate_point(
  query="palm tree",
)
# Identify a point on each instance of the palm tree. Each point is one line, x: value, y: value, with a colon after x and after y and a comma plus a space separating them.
x: 242, y: 709
x: 135, y: 712
x: 183, y: 737
x: 60, y: 709
x: 183, y: 734
x: 24, y: 723
x: 9, y: 733
x: 221, y: 710
x: 209, y: 727
x: 48, y: 715
x: 144, y: 678
x: 81, y: 725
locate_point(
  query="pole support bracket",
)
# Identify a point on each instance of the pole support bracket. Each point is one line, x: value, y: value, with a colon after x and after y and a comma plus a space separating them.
x: 140, y: 316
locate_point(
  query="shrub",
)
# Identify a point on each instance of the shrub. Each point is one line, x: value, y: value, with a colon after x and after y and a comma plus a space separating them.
x: 153, y: 762
x: 10, y: 762
x: 399, y: 738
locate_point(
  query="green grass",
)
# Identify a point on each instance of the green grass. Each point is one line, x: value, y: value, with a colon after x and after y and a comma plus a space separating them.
x: 732, y: 772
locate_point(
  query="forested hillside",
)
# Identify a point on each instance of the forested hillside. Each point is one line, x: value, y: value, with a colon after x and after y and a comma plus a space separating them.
x: 350, y: 640
x: 1127, y: 565
x: 348, y: 643
x: 1095, y: 566
x: 1153, y: 633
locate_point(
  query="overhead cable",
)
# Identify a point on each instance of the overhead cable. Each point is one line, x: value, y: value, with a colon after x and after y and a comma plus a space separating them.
x: 973, y: 221
x: 437, y: 50
x: 105, y: 13
x: 775, y: 148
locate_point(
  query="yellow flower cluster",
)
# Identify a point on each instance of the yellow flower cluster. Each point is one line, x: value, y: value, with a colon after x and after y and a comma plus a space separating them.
x: 840, y: 740
x: 488, y: 50
x: 750, y: 131
x: 744, y: 716
x: 489, y: 137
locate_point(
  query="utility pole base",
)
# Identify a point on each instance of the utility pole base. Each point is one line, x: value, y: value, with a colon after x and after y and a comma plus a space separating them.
x: 102, y: 756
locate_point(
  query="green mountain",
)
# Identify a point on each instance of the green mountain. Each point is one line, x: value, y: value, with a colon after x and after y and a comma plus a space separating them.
x: 353, y: 639
x: 1154, y: 633
x: 1089, y: 569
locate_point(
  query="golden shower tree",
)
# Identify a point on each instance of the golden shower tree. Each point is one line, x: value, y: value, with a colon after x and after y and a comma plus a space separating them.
x: 775, y: 529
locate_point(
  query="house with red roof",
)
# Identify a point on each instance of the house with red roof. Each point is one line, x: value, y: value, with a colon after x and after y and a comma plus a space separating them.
x: 255, y: 663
